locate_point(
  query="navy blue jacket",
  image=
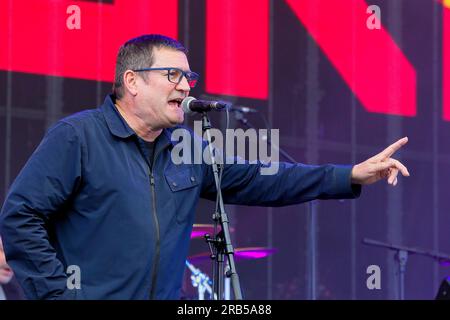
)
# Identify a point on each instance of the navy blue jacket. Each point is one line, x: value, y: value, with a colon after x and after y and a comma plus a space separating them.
x: 86, y: 197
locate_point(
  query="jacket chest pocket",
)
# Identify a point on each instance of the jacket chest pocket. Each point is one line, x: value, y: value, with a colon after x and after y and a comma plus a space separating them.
x: 183, y: 182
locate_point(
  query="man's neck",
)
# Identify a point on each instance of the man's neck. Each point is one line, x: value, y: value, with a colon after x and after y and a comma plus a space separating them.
x: 141, y: 129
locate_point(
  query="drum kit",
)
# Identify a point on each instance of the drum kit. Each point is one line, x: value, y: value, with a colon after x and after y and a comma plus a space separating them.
x: 202, y: 281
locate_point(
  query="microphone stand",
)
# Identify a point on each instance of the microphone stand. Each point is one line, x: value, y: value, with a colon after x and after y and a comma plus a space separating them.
x: 220, y: 245
x: 200, y: 280
x: 312, y: 221
x: 402, y: 258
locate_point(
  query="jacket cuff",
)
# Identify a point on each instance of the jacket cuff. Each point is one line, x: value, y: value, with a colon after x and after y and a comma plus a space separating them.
x: 343, y: 176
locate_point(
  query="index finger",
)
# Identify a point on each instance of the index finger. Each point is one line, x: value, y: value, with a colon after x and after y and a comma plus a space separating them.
x: 389, y: 151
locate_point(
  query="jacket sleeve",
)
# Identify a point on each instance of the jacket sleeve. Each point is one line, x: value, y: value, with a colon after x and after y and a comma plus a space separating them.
x: 290, y: 184
x: 44, y: 185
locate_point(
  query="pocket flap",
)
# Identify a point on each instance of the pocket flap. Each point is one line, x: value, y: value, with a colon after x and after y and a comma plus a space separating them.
x: 181, y: 179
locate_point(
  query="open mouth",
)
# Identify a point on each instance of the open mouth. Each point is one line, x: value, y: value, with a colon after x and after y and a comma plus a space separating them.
x: 176, y: 102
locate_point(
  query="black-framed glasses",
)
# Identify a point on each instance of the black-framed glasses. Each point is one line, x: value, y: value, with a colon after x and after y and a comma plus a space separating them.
x: 175, y: 75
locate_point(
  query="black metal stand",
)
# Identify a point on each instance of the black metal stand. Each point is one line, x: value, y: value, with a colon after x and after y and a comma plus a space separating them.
x: 220, y: 245
x: 402, y: 259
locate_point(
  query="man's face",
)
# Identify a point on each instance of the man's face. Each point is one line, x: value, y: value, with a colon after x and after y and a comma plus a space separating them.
x: 154, y: 102
x: 5, y: 271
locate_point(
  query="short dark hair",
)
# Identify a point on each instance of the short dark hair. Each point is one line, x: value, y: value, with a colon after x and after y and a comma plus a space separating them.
x: 137, y: 53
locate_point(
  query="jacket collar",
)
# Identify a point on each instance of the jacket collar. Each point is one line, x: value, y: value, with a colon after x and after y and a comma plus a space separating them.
x: 120, y: 128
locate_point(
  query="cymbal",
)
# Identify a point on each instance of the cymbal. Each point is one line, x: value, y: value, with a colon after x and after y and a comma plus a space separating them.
x: 199, y: 230
x: 245, y: 253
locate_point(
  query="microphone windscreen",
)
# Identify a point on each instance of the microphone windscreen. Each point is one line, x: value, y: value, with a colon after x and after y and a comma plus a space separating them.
x: 185, y: 104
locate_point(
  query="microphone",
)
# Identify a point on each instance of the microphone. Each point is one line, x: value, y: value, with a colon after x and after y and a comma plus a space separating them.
x: 190, y: 105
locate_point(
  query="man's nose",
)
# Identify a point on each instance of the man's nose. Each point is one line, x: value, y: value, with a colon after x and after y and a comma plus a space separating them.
x: 184, y: 85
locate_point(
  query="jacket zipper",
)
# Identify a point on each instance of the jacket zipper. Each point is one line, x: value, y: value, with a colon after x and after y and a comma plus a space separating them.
x: 156, y: 221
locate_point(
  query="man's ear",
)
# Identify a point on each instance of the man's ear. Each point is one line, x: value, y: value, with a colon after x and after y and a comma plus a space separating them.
x: 129, y: 82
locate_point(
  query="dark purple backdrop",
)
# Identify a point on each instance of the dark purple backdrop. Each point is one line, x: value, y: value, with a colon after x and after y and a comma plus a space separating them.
x: 320, y: 121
